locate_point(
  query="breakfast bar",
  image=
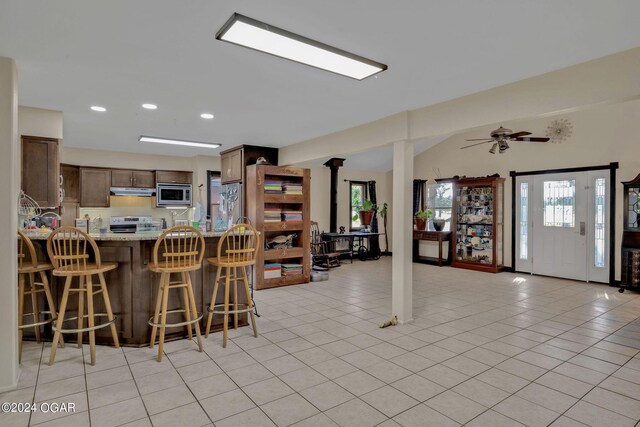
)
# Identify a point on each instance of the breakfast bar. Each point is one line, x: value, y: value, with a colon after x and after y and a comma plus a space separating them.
x: 133, y: 287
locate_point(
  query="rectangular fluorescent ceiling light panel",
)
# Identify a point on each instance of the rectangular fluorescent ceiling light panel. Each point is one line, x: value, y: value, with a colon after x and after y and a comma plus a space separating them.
x: 177, y: 142
x: 257, y: 35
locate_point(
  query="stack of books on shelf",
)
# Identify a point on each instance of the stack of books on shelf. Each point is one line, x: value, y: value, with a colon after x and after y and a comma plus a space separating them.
x: 289, y: 215
x: 291, y: 269
x: 273, y: 187
x: 272, y: 271
x: 292, y: 187
x: 272, y: 215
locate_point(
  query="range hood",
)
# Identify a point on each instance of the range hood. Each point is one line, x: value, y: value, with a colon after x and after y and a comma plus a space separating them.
x: 130, y: 191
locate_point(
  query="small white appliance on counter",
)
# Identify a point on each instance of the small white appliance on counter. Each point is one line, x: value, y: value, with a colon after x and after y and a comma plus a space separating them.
x: 173, y: 195
x: 128, y: 224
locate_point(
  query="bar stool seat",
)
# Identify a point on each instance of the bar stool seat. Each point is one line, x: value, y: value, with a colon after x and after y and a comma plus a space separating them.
x: 28, y: 266
x: 237, y: 249
x: 182, y: 252
x: 68, y: 249
x: 91, y: 268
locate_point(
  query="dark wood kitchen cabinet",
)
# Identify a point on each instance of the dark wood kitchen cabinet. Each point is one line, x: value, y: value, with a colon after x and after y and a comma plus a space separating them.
x: 174, y: 177
x: 234, y: 161
x: 132, y: 178
x: 70, y: 183
x: 41, y: 170
x: 95, y: 184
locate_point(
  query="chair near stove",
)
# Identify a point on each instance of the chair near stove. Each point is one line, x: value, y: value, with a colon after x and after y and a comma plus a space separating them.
x: 69, y: 251
x: 28, y: 267
x: 182, y: 252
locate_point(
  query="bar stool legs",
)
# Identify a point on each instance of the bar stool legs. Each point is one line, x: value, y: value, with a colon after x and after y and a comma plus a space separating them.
x: 85, y: 290
x: 190, y: 310
x: 236, y: 305
x: 30, y: 287
x: 63, y: 308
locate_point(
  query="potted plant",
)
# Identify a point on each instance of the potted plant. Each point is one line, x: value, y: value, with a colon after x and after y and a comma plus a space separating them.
x: 421, y: 219
x: 365, y: 213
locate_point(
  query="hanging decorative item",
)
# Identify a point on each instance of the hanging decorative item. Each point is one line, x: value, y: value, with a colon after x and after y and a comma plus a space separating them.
x: 559, y: 130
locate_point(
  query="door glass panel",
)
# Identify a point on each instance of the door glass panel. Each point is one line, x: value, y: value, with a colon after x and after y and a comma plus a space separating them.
x: 599, y: 205
x: 524, y: 223
x: 559, y: 203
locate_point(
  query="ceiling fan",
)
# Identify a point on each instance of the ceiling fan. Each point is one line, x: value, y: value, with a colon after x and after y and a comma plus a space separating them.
x: 501, y: 137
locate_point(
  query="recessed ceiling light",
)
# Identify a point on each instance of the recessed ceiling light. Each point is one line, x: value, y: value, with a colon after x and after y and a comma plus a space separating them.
x: 98, y: 108
x: 206, y: 115
x: 257, y: 35
x: 149, y: 106
x: 177, y: 142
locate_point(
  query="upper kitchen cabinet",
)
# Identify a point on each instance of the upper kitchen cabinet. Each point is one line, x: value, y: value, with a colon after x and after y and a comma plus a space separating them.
x: 95, y: 184
x: 234, y: 161
x: 231, y: 166
x: 174, y: 177
x: 70, y: 183
x: 41, y: 170
x: 132, y: 178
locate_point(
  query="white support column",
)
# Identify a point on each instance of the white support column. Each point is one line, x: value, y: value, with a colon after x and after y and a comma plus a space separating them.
x: 402, y: 264
x: 9, y: 176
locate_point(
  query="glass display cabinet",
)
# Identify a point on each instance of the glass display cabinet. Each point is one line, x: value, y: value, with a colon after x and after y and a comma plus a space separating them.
x: 631, y: 235
x: 478, y: 224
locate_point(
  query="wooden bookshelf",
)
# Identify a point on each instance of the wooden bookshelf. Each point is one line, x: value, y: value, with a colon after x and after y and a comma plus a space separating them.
x: 258, y: 200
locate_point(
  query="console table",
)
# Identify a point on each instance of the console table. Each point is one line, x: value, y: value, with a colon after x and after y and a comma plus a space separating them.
x: 433, y: 236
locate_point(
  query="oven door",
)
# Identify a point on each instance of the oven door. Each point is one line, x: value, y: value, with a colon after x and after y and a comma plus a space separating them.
x: 173, y: 195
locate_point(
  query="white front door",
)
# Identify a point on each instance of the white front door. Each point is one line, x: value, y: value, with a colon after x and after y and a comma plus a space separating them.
x: 562, y: 225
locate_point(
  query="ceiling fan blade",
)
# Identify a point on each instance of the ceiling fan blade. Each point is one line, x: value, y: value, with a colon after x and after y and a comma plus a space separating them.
x: 531, y: 139
x: 480, y: 139
x: 473, y: 145
x: 518, y: 134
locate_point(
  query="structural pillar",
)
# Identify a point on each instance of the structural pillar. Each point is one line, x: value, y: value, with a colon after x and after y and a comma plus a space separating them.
x: 402, y: 225
x: 334, y: 164
x: 9, y: 176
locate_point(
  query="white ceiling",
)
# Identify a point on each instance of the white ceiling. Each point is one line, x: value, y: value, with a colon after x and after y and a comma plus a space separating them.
x: 72, y: 54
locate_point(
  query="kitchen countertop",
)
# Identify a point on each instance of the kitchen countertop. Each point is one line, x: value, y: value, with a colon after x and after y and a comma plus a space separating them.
x: 120, y: 237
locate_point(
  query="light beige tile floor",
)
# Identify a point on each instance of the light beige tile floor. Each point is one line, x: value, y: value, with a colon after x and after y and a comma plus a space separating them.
x: 483, y: 350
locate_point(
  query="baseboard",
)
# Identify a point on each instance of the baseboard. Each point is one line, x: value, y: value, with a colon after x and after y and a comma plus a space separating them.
x: 509, y: 269
x: 13, y: 386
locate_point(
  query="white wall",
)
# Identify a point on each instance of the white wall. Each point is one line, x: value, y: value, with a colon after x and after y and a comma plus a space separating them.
x: 601, y: 135
x: 40, y: 122
x: 320, y: 195
x: 10, y: 176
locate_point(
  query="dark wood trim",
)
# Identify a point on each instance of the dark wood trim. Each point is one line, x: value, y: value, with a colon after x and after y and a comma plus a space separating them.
x: 365, y: 195
x: 612, y: 167
x: 612, y: 223
x: 513, y: 219
x: 210, y: 174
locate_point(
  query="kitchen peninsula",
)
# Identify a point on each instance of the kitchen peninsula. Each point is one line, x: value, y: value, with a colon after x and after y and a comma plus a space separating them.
x: 133, y: 288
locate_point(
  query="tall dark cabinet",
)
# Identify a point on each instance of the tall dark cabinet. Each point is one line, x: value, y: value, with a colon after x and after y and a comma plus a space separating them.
x: 631, y: 235
x: 478, y: 224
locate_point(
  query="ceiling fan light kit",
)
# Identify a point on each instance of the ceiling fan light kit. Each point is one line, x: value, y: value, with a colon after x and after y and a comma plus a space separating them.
x: 501, y: 137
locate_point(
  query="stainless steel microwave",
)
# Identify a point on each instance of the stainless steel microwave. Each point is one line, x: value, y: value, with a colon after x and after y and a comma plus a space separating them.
x: 173, y: 195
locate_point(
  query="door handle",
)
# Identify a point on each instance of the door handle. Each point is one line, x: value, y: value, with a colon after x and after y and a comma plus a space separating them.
x: 583, y: 228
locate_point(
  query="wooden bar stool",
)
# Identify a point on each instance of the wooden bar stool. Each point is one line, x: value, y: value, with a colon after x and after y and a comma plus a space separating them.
x: 68, y: 251
x: 182, y: 252
x: 28, y: 267
x: 236, y: 250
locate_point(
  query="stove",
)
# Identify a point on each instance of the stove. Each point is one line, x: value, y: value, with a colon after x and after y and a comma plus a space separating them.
x: 127, y: 224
